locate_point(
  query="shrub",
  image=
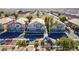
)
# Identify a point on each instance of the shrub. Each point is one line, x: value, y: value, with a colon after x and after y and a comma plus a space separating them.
x: 13, y: 47
x: 21, y: 43
x: 36, y: 44
x: 62, y: 18
x: 4, y: 49
x: 65, y: 43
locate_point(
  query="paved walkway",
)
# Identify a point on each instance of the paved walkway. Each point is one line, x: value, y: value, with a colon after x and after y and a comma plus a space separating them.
x: 22, y: 35
x: 71, y: 34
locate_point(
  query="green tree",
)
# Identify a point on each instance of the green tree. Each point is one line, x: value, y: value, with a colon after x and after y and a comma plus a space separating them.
x: 38, y: 14
x: 21, y: 43
x: 6, y: 15
x: 29, y: 17
x: 62, y: 18
x: 65, y: 43
x: 20, y: 11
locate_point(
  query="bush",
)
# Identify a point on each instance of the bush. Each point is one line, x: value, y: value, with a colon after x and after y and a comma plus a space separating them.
x: 4, y: 49
x: 13, y: 47
x: 27, y: 43
x: 36, y: 44
x: 65, y: 43
x: 77, y: 45
x: 62, y: 18
x: 21, y: 43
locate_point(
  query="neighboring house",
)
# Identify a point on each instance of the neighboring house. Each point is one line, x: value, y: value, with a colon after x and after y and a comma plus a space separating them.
x: 22, y: 20
x: 35, y: 29
x: 36, y: 26
x: 18, y: 25
x: 58, y: 28
x: 4, y: 23
x: 57, y: 31
x: 13, y: 27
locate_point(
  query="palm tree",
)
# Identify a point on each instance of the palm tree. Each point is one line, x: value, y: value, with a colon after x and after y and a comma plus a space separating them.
x: 15, y: 15
x: 2, y: 14
x: 30, y: 17
x: 48, y: 22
